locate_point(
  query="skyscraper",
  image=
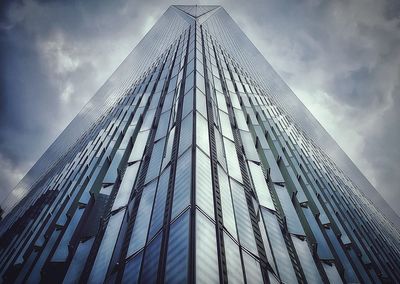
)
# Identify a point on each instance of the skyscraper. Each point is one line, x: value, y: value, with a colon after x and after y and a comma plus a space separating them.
x: 196, y: 163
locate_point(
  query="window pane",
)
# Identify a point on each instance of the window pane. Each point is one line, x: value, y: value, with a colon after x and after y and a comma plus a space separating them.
x: 182, y: 184
x: 245, y: 229
x: 202, y: 139
x: 178, y: 250
x: 252, y: 268
x: 132, y: 268
x: 204, y: 189
x: 150, y: 262
x: 185, y: 140
x: 206, y: 251
x: 126, y: 186
x: 139, y: 232
x: 226, y: 202
x: 233, y: 261
x: 159, y: 205
x: 106, y: 249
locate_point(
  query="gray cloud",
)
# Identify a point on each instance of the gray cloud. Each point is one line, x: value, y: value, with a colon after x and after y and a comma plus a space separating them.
x: 340, y: 57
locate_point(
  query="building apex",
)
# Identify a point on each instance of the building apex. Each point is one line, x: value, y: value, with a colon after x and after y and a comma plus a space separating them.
x: 196, y: 11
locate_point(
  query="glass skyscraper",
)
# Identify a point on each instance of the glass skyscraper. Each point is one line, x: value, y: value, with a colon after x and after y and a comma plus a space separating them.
x: 195, y: 163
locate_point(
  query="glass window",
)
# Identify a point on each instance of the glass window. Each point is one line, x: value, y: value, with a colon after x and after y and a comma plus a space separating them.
x: 306, y: 260
x: 202, y: 138
x: 249, y: 146
x: 159, y: 204
x: 126, y: 187
x: 162, y: 128
x: 186, y: 133
x: 187, y: 103
x: 150, y: 261
x: 189, y: 82
x: 78, y: 261
x: 176, y: 270
x: 233, y: 261
x: 278, y: 245
x: 275, y: 172
x: 139, y: 232
x: 148, y: 119
x: 201, y: 103
x: 252, y: 269
x: 233, y: 162
x: 132, y: 268
x: 206, y: 251
x: 322, y: 248
x: 106, y: 249
x: 204, y: 188
x: 168, y: 150
x: 292, y: 219
x: 261, y: 187
x: 155, y: 161
x: 226, y: 202
x: 245, y: 229
x: 139, y: 146
x: 112, y: 171
x: 62, y: 251
x: 225, y: 125
x: 183, y: 183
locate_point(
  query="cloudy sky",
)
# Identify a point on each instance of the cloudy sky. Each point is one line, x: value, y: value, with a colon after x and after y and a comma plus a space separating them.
x: 340, y: 57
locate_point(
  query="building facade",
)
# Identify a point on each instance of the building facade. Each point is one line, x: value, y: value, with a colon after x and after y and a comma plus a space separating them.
x: 195, y: 163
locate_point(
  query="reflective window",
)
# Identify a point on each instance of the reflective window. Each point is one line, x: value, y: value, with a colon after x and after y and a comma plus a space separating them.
x: 206, y: 251
x: 150, y: 262
x: 233, y: 261
x: 202, y: 138
x: 204, y: 188
x: 78, y: 261
x: 233, y: 162
x: 182, y: 187
x: 260, y: 185
x: 245, y: 229
x: 252, y: 269
x: 139, y: 146
x: 132, y: 268
x: 126, y: 186
x: 185, y: 140
x: 155, y: 161
x: 159, y: 204
x: 278, y: 245
x: 106, y: 249
x: 176, y: 270
x: 306, y: 260
x: 226, y: 202
x: 139, y: 232
x: 225, y: 125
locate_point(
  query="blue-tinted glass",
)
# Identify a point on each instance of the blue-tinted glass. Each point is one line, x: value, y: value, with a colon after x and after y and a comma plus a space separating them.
x: 278, y: 246
x: 106, y: 249
x: 132, y: 268
x: 139, y: 232
x: 126, y: 187
x: 182, y: 184
x: 150, y: 262
x: 178, y: 250
x: 78, y: 262
x: 159, y: 203
x: 186, y: 138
